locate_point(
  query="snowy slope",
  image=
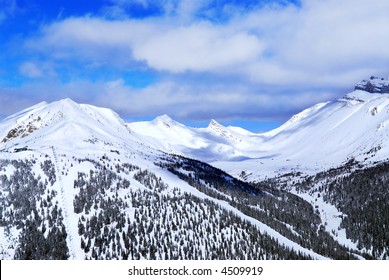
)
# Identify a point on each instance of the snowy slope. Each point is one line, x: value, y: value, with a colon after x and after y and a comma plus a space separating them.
x: 214, y: 142
x: 323, y: 136
x: 63, y: 148
x: 44, y: 124
x: 62, y: 145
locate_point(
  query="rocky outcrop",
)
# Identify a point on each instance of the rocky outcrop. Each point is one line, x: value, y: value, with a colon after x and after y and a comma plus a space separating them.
x: 374, y: 85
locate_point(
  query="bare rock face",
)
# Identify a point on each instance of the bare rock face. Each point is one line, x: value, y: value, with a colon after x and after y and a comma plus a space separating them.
x: 374, y: 85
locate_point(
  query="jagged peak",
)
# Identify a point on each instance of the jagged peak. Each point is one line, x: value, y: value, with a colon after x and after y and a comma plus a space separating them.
x: 374, y: 85
x: 221, y: 130
x: 214, y: 123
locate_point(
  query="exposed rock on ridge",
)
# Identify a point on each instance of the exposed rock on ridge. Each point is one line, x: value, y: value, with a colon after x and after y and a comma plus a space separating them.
x: 374, y: 85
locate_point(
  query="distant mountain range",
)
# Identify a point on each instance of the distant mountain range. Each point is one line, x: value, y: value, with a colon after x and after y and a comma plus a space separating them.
x: 323, y: 136
x: 77, y: 182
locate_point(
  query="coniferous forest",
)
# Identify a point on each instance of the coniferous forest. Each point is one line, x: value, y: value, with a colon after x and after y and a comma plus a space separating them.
x: 120, y: 211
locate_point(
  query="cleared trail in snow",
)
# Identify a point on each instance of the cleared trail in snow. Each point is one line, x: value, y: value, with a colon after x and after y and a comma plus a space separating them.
x: 69, y: 238
x: 172, y: 181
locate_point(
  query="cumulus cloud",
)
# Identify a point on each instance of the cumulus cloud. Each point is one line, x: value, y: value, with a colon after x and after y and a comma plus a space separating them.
x: 340, y: 34
x: 270, y: 60
x: 91, y: 39
x: 269, y: 45
x: 199, y: 47
x: 321, y: 42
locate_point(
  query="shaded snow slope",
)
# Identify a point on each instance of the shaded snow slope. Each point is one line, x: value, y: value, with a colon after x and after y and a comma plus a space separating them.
x: 323, y: 136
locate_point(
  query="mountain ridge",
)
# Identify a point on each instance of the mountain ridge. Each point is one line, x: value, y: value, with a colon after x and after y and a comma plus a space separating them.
x: 294, y: 145
x: 77, y: 182
x: 374, y: 85
x: 230, y: 148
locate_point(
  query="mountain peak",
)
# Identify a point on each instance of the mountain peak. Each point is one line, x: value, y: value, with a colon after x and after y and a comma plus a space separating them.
x: 222, y: 131
x: 214, y: 123
x: 63, y: 117
x: 67, y: 103
x: 66, y: 100
x: 374, y: 85
x: 165, y: 120
x: 164, y: 117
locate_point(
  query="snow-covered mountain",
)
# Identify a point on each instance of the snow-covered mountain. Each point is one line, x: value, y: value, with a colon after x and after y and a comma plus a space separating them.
x: 374, y: 85
x: 78, y: 182
x: 65, y: 124
x: 323, y: 136
x: 214, y: 142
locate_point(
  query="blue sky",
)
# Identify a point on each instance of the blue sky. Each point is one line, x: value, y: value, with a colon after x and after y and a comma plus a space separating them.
x: 249, y: 63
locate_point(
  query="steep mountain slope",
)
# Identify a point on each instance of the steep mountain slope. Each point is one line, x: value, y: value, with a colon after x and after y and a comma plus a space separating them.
x: 76, y: 183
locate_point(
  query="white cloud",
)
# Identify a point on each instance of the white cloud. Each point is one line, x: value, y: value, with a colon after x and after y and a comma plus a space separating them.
x: 322, y: 38
x: 92, y: 39
x: 275, y: 43
x: 245, y: 66
x: 338, y: 33
x: 199, y: 47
